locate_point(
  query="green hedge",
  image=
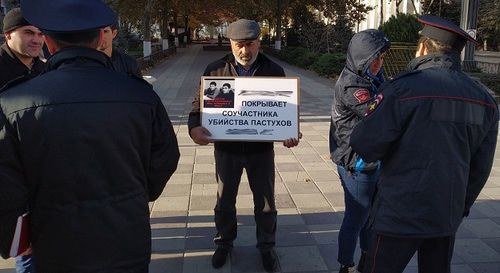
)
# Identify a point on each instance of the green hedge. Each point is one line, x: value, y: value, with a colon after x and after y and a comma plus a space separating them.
x: 327, y: 64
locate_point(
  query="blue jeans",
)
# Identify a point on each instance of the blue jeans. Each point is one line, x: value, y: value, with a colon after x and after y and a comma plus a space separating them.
x: 24, y: 264
x: 359, y: 188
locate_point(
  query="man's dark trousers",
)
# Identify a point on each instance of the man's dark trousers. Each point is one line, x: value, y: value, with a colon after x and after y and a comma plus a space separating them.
x: 391, y: 254
x: 260, y: 171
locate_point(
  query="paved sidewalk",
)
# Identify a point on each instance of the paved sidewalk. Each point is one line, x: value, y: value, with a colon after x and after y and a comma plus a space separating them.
x: 308, y: 193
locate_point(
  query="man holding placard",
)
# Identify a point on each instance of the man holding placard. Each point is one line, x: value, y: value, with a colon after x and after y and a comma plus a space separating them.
x: 231, y: 157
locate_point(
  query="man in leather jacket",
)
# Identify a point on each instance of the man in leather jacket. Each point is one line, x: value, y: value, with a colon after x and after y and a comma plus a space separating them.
x: 434, y: 130
x: 232, y: 157
x: 19, y: 53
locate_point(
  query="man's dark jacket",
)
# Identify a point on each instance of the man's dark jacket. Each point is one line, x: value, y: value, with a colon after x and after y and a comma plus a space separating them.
x: 435, y: 132
x: 352, y: 94
x: 125, y: 63
x: 89, y: 148
x: 11, y: 67
x: 226, y: 67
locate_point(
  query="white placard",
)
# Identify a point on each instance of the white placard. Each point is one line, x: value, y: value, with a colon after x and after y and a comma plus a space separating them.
x: 250, y: 108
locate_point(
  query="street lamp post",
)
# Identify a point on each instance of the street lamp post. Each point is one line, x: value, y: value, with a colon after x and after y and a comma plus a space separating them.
x: 468, y: 22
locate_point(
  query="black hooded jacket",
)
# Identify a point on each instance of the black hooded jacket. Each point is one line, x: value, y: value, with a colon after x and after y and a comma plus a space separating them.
x: 11, y: 67
x: 351, y: 95
x: 89, y: 148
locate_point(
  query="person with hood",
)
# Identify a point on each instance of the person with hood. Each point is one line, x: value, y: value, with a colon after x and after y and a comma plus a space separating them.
x: 356, y: 87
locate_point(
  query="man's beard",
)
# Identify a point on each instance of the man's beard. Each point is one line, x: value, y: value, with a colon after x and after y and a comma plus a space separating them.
x: 246, y: 62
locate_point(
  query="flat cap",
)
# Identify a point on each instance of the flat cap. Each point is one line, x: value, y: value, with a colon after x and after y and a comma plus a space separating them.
x: 243, y: 30
x: 14, y: 19
x: 66, y: 16
x: 444, y: 31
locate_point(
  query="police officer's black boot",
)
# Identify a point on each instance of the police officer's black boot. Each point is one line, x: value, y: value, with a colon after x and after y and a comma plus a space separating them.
x: 220, y: 256
x: 361, y: 264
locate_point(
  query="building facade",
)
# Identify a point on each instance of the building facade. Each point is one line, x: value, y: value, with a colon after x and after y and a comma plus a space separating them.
x: 384, y: 9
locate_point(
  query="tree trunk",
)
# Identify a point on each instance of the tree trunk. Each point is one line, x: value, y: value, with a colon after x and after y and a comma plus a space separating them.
x: 146, y: 20
x: 381, y: 12
x: 277, y: 40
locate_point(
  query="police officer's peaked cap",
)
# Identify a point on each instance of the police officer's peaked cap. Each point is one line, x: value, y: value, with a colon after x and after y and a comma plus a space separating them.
x: 243, y: 30
x: 66, y: 16
x: 444, y: 31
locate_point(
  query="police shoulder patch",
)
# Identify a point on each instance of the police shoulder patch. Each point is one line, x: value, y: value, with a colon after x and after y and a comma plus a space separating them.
x: 374, y: 103
x: 362, y: 95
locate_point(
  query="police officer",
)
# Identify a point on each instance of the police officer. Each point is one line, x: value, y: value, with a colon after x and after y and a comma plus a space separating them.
x: 19, y: 53
x: 435, y: 130
x: 85, y: 146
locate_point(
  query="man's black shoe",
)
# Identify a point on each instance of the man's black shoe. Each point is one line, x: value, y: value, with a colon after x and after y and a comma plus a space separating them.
x: 270, y: 260
x: 219, y: 257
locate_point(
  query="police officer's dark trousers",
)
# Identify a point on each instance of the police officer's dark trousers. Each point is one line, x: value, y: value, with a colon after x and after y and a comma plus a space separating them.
x: 391, y: 254
x: 260, y: 172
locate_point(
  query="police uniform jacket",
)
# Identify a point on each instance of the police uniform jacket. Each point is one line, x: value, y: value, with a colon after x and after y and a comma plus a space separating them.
x: 125, y: 63
x: 226, y: 67
x: 353, y: 92
x: 11, y: 67
x: 91, y: 147
x: 435, y: 131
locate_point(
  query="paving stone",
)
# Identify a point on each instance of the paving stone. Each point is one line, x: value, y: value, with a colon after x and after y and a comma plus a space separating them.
x: 200, y: 261
x: 322, y: 218
x: 205, y: 159
x: 165, y: 239
x: 189, y: 159
x: 201, y: 218
x: 290, y: 219
x: 184, y: 168
x: 177, y: 203
x: 166, y: 262
x: 202, y: 202
x: 289, y: 167
x: 294, y: 235
x: 283, y: 201
x: 204, y: 178
x: 176, y: 190
x: 302, y: 187
x: 204, y: 168
x: 332, y: 186
x: 246, y: 259
x: 475, y: 250
x: 285, y: 158
x: 296, y: 176
x: 325, y: 234
x: 208, y: 190
x: 316, y: 166
x: 200, y: 238
x: 178, y: 178
x: 335, y: 199
x: 483, y: 228
x: 485, y: 267
x: 311, y: 259
x: 329, y: 252
x: 308, y: 158
x: 246, y: 236
x: 310, y: 200
x: 325, y: 175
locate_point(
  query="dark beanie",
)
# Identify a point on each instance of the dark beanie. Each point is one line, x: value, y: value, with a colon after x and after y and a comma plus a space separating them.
x: 14, y: 19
